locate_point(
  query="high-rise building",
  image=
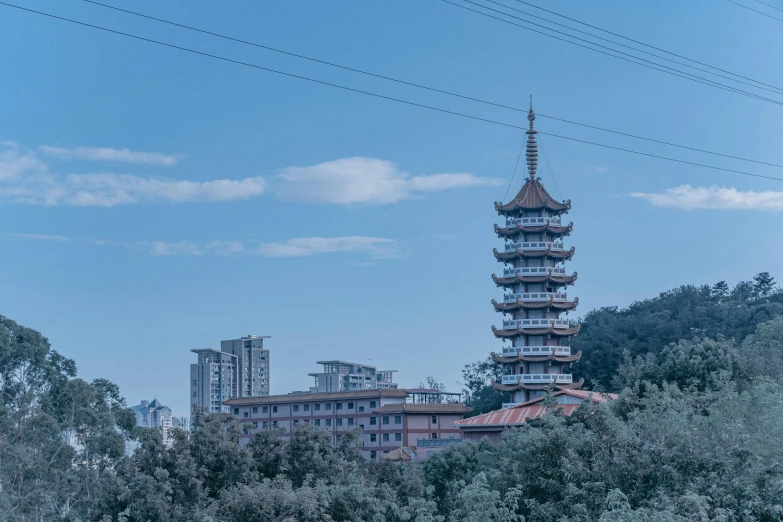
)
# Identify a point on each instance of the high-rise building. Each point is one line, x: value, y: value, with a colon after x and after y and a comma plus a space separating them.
x: 252, y: 364
x: 347, y: 376
x: 535, y: 279
x: 154, y: 415
x: 239, y: 369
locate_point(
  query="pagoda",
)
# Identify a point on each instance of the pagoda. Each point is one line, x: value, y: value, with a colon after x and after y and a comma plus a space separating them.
x: 536, y: 354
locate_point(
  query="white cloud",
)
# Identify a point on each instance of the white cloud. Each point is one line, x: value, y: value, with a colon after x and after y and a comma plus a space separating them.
x: 41, y: 237
x: 714, y: 197
x: 14, y: 162
x: 365, y: 180
x: 109, y: 154
x: 161, y: 248
x: 308, y: 246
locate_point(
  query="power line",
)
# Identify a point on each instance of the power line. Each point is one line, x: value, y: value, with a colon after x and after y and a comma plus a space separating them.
x: 776, y: 90
x: 682, y: 74
x: 290, y: 75
x: 516, y: 166
x: 769, y: 5
x: 426, y: 87
x: 756, y: 11
x: 549, y: 168
x: 641, y: 43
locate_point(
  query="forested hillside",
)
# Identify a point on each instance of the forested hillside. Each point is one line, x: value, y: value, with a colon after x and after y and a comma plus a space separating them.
x: 694, y: 436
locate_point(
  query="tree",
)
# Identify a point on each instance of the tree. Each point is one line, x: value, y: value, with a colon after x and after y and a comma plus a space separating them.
x: 720, y: 290
x: 763, y: 284
x: 478, y: 390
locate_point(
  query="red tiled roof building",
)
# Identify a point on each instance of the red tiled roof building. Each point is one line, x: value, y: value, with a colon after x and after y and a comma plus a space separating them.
x: 536, y: 354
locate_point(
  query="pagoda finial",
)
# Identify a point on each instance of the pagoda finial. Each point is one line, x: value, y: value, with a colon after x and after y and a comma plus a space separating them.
x: 531, y: 151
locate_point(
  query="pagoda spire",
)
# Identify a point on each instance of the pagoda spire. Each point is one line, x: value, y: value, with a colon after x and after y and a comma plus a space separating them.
x: 531, y: 151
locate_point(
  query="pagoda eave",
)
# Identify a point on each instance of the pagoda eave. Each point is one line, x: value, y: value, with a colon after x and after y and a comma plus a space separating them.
x: 515, y: 205
x: 559, y: 231
x: 559, y: 332
x: 518, y: 279
x: 527, y: 254
x: 533, y: 305
x: 538, y: 387
x: 537, y: 358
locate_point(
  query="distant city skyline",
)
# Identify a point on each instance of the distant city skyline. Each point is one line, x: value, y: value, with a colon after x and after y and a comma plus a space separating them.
x: 155, y: 201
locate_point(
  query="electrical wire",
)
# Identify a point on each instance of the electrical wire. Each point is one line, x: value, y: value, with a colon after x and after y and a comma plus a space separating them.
x: 399, y: 100
x: 669, y: 70
x: 769, y: 5
x: 777, y: 90
x: 549, y: 168
x: 756, y: 11
x: 641, y: 43
x: 425, y: 87
x: 516, y: 166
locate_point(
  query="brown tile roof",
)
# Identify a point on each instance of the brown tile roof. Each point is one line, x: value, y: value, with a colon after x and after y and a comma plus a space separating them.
x: 555, y: 230
x: 310, y: 397
x: 521, y: 254
x: 534, y: 305
x: 407, y: 407
x: 533, y: 196
x: 561, y: 332
x: 537, y: 358
x: 542, y: 386
x: 518, y: 415
x: 397, y: 455
x: 516, y: 279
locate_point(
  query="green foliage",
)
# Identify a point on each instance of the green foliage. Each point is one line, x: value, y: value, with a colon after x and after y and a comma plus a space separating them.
x: 686, y: 313
x: 478, y: 391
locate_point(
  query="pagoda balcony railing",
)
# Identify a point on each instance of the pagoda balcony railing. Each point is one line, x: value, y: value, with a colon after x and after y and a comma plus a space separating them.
x: 512, y: 324
x: 434, y: 443
x: 510, y: 404
x: 533, y: 221
x: 538, y: 378
x: 534, y: 271
x: 535, y: 245
x: 536, y: 296
x: 510, y: 351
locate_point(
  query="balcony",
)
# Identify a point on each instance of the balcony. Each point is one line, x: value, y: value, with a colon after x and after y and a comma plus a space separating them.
x: 510, y: 404
x: 538, y: 378
x: 435, y: 443
x: 510, y: 351
x: 536, y: 296
x: 533, y: 221
x: 534, y: 271
x: 513, y: 324
x: 535, y: 245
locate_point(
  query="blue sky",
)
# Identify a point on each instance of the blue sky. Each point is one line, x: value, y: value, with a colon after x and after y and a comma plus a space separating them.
x: 154, y: 201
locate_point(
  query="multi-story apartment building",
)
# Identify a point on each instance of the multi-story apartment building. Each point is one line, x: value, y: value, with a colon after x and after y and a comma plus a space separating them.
x: 387, y: 420
x: 252, y: 364
x: 239, y: 369
x: 347, y: 376
x: 154, y: 415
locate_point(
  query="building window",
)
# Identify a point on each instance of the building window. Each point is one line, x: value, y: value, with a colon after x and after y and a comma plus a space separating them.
x: 385, y: 437
x: 296, y: 422
x: 328, y: 422
x: 350, y: 405
x: 398, y: 437
x: 265, y: 425
x: 373, y: 455
x: 274, y: 424
x: 398, y: 419
x: 328, y: 406
x: 255, y: 409
x: 339, y: 422
x: 195, y: 394
x: 372, y: 404
x: 317, y: 407
x: 361, y: 409
x: 373, y: 421
x: 236, y: 411
x: 350, y: 422
x: 339, y: 438
x: 434, y: 436
x: 318, y: 423
x: 265, y: 409
x: 246, y: 415
x: 373, y: 437
x: 296, y: 407
x: 274, y: 409
x: 306, y: 407
x: 434, y: 419
x: 361, y: 426
x: 386, y: 420
x: 339, y: 406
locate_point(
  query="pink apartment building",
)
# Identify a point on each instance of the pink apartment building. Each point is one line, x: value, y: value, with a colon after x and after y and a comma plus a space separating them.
x: 387, y: 419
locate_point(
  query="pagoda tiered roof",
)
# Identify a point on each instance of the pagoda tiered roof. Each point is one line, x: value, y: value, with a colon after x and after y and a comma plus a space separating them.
x: 516, y: 332
x: 537, y: 358
x: 540, y: 387
x: 534, y: 305
x: 532, y: 196
x: 554, y: 230
x: 548, y: 278
x: 527, y: 254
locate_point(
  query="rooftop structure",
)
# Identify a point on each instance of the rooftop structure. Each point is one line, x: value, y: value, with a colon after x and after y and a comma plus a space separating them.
x: 387, y: 421
x: 347, y: 376
x: 537, y: 354
x: 493, y: 423
x: 153, y: 415
x: 252, y: 364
